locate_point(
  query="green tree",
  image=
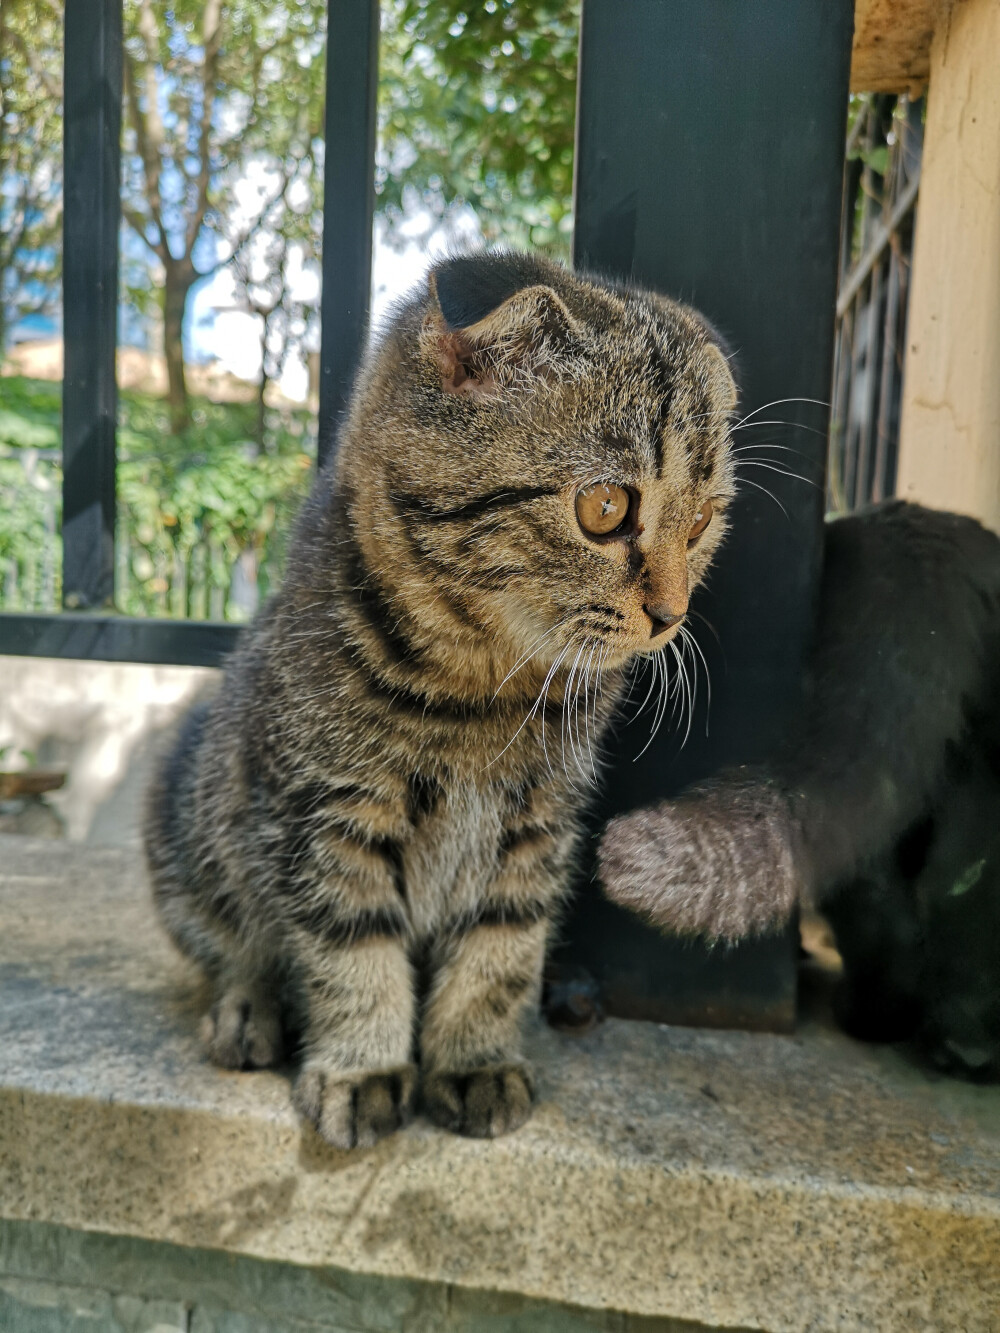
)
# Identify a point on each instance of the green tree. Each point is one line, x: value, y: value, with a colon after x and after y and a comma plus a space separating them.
x: 30, y: 159
x: 210, y: 87
x: 477, y: 105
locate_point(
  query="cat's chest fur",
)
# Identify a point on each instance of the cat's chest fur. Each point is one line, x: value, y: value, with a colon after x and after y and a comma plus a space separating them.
x: 452, y: 853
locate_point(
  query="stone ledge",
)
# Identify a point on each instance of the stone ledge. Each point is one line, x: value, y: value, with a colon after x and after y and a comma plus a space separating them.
x: 782, y: 1183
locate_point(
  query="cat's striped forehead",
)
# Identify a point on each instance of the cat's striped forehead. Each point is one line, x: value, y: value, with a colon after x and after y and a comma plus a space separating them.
x: 664, y: 381
x: 650, y: 380
x: 506, y: 373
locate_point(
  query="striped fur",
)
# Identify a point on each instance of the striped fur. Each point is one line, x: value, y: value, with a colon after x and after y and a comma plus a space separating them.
x: 368, y: 831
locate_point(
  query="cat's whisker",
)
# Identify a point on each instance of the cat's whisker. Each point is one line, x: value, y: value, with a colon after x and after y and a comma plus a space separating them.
x: 681, y: 680
x: 567, y: 719
x: 659, y: 677
x: 689, y: 693
x: 684, y: 650
x: 601, y: 661
x: 770, y: 494
x: 705, y: 621
x: 661, y: 705
x: 675, y: 693
x: 582, y: 685
x: 683, y: 689
x: 536, y: 648
x: 765, y: 449
x: 778, y: 402
x: 532, y: 711
x: 652, y: 686
x: 543, y: 700
x: 688, y: 652
x: 792, y: 425
x: 590, y: 710
x: 583, y: 743
x: 688, y: 635
x: 782, y: 472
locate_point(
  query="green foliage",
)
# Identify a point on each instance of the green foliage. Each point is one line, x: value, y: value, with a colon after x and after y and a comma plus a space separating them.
x: 210, y: 87
x: 214, y: 90
x: 190, y: 506
x: 477, y: 104
x: 30, y: 158
x: 30, y: 484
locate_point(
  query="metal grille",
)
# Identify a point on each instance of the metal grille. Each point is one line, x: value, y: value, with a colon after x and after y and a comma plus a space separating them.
x: 881, y: 183
x: 92, y: 170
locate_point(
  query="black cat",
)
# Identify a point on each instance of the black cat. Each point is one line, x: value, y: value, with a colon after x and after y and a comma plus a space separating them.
x: 882, y: 807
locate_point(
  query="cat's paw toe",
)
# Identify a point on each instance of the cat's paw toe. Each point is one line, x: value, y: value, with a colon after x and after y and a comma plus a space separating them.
x: 355, y: 1110
x: 482, y: 1103
x: 241, y: 1032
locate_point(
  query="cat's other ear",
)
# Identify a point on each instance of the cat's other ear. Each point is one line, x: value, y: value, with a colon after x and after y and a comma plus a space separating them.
x: 723, y: 366
x: 491, y: 321
x: 721, y: 379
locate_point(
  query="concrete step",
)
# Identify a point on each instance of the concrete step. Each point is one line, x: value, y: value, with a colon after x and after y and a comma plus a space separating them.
x: 729, y: 1179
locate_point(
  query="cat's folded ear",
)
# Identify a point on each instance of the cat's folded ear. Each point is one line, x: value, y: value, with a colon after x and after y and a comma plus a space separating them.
x: 723, y: 365
x: 493, y: 321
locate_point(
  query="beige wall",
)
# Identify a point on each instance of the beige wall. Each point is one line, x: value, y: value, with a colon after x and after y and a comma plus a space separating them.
x: 950, y: 434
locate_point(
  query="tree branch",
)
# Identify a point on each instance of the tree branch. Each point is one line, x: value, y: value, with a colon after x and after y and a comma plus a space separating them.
x: 139, y: 225
x: 212, y: 39
x: 149, y: 155
x: 255, y: 227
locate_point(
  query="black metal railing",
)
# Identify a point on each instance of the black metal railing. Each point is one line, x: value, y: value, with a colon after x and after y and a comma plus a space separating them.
x: 87, y: 627
x: 881, y: 185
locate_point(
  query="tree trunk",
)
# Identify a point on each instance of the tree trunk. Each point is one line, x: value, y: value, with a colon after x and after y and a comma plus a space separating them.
x: 262, y: 388
x: 178, y: 281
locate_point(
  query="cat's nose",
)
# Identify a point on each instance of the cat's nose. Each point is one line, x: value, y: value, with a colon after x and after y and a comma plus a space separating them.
x: 664, y: 617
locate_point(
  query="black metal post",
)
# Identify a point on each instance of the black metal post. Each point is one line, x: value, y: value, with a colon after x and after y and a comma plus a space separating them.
x: 349, y: 199
x: 91, y: 206
x: 710, y: 143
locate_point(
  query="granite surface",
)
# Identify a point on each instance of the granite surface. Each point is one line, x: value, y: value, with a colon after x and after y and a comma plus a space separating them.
x: 784, y: 1183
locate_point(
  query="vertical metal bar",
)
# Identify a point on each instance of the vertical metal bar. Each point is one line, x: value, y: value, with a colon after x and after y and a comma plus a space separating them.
x: 888, y: 385
x: 872, y: 363
x: 710, y: 151
x: 91, y: 205
x: 905, y: 240
x: 852, y: 185
x: 840, y: 415
x: 348, y: 201
x: 855, y: 415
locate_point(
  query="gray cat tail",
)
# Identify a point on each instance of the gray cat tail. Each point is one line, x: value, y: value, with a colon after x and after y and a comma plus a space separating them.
x: 722, y: 861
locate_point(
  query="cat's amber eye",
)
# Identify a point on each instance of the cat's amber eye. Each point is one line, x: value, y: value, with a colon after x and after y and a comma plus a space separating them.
x: 701, y: 522
x: 602, y: 508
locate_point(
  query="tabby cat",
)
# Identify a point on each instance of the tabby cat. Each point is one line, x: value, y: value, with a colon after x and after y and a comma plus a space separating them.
x: 367, y: 833
x: 882, y: 807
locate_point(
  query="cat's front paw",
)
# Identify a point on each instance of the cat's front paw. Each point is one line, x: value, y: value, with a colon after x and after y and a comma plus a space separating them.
x: 355, y: 1110
x: 483, y: 1103
x: 242, y: 1030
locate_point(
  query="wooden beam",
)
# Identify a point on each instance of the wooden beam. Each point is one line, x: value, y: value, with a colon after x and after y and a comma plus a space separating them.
x: 892, y: 44
x: 949, y: 448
